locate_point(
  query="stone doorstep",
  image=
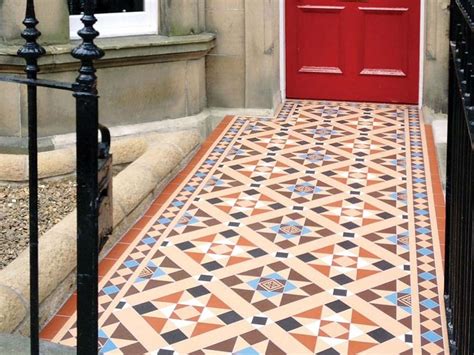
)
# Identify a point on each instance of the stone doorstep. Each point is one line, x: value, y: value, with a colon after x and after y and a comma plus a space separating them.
x: 134, y: 188
x: 440, y: 135
x: 15, y: 344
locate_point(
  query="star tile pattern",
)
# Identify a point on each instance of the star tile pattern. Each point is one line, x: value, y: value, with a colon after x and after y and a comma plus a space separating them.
x: 310, y: 232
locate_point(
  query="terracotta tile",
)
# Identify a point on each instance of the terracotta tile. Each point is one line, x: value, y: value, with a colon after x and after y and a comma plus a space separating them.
x: 69, y: 307
x: 117, y: 251
x: 153, y: 210
x: 53, y: 327
x: 105, y: 266
x: 130, y: 236
x: 142, y: 222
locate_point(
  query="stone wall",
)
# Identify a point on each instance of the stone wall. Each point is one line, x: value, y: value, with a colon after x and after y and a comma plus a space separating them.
x: 141, y: 79
x: 435, y: 86
x: 243, y: 70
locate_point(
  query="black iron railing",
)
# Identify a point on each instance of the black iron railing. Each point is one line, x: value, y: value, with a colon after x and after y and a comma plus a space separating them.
x: 94, y: 193
x: 459, y: 287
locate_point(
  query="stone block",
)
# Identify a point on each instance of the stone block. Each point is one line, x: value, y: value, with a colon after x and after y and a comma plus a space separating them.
x: 10, y: 114
x: 195, y: 86
x: 53, y: 16
x: 225, y: 81
x: 229, y: 27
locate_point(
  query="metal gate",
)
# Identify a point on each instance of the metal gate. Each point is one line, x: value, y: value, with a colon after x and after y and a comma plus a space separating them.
x: 459, y: 288
x: 94, y: 189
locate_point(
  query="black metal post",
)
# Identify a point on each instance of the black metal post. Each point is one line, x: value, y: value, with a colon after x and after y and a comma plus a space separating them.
x: 87, y: 179
x: 31, y: 51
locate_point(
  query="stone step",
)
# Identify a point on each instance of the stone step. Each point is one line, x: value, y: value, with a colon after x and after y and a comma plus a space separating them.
x: 440, y: 133
x: 16, y: 344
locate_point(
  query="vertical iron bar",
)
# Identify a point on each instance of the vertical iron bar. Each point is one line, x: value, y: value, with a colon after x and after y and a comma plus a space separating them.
x: 31, y: 51
x: 87, y: 123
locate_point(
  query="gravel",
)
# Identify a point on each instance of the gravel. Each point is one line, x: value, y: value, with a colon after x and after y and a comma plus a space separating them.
x: 56, y: 200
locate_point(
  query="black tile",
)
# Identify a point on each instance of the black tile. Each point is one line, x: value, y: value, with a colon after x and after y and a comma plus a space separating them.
x: 307, y: 257
x: 175, y: 336
x: 357, y: 193
x: 338, y: 306
x: 408, y: 338
x: 252, y: 192
x: 145, y: 308
x: 385, y: 215
x: 121, y: 304
x: 256, y: 253
x: 329, y: 351
x: 255, y: 185
x: 347, y: 245
x: 205, y: 278
x: 350, y: 225
x: 310, y: 172
x: 165, y: 352
x: 356, y: 185
x: 239, y: 215
x: 268, y: 160
x: 230, y: 317
x: 277, y: 206
x: 185, y: 245
x: 298, y: 208
x: 339, y: 292
x: 234, y: 224
x: 342, y: 279
x: 212, y: 265
x: 348, y: 235
x: 289, y: 324
x: 214, y: 201
x: 198, y: 291
x: 380, y: 335
x: 319, y: 209
x: 291, y: 171
x: 282, y: 255
x: 353, y: 200
x: 383, y: 265
x: 230, y: 233
x: 259, y: 178
x: 259, y: 320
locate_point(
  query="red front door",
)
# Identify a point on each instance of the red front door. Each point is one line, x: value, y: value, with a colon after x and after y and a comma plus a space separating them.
x: 366, y: 50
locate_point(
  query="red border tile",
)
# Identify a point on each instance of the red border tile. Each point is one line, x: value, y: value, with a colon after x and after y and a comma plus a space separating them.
x: 439, y: 199
x: 53, y: 327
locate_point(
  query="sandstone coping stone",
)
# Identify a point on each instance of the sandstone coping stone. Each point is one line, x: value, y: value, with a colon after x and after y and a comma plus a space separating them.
x: 14, y: 168
x: 57, y: 247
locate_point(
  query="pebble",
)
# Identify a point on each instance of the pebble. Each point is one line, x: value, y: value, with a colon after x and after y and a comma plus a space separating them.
x: 56, y: 200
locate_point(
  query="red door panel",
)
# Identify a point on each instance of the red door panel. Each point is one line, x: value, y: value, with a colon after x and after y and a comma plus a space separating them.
x: 353, y: 50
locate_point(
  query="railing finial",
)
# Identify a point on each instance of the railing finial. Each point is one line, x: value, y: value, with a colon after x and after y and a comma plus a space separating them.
x: 31, y: 50
x: 87, y: 51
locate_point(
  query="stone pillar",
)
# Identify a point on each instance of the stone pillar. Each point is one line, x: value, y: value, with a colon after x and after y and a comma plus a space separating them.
x: 436, y: 65
x: 53, y: 16
x: 262, y: 54
x: 182, y: 17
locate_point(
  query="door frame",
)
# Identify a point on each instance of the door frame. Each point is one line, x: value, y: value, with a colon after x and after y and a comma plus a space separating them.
x: 283, y: 51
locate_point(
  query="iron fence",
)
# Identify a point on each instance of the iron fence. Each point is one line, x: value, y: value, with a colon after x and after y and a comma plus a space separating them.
x: 94, y: 189
x: 459, y: 287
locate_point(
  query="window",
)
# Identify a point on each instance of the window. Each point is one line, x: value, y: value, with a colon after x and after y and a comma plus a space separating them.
x: 118, y: 17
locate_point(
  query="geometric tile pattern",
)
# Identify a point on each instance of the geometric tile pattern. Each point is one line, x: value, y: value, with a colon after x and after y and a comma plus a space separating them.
x: 310, y: 232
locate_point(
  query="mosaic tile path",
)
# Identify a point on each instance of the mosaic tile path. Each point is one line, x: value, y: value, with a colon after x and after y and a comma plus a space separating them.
x: 311, y: 232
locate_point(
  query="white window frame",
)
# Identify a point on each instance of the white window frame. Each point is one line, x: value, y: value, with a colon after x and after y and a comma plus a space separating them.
x: 121, y: 23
